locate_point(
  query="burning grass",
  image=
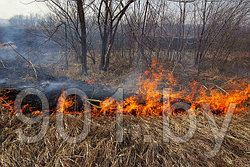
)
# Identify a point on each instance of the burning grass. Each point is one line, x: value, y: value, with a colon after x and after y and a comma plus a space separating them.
x: 150, y: 96
x: 101, y: 149
x: 143, y: 128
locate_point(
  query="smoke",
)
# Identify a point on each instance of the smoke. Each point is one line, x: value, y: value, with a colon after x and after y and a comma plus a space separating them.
x: 29, y: 43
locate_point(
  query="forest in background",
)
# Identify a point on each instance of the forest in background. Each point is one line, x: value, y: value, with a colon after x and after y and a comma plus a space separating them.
x: 102, y: 37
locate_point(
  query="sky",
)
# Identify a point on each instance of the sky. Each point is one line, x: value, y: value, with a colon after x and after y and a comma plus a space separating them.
x: 9, y: 8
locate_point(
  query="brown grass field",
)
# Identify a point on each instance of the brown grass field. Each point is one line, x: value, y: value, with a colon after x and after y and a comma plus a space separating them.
x: 101, y: 149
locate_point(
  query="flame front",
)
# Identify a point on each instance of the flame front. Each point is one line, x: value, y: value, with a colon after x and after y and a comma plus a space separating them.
x: 148, y: 99
x: 67, y: 104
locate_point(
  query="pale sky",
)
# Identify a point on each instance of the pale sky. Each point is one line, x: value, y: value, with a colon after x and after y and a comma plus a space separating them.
x: 9, y: 8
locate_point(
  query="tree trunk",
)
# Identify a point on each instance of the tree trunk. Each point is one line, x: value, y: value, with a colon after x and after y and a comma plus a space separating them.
x: 104, y: 50
x: 83, y: 56
x: 104, y: 37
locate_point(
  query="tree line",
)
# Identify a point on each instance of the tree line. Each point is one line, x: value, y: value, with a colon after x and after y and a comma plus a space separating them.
x: 143, y: 30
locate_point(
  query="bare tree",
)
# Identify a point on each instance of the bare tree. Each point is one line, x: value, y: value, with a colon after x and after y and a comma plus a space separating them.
x: 169, y: 29
x: 110, y: 13
x: 81, y: 14
x: 218, y: 18
x: 74, y: 31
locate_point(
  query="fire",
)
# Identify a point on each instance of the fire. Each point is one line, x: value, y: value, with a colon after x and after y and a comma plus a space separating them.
x: 148, y: 99
x: 90, y: 81
x: 6, y: 101
x: 66, y: 104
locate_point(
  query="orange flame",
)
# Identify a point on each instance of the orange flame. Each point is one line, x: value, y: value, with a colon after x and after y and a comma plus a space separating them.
x: 148, y: 98
x: 64, y: 104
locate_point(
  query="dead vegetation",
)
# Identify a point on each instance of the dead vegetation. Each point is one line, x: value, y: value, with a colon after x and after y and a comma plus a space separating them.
x: 118, y: 71
x: 101, y: 149
x: 211, y: 60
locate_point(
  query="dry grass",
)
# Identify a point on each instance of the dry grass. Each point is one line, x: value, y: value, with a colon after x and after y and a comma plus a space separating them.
x: 118, y: 70
x: 101, y: 149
